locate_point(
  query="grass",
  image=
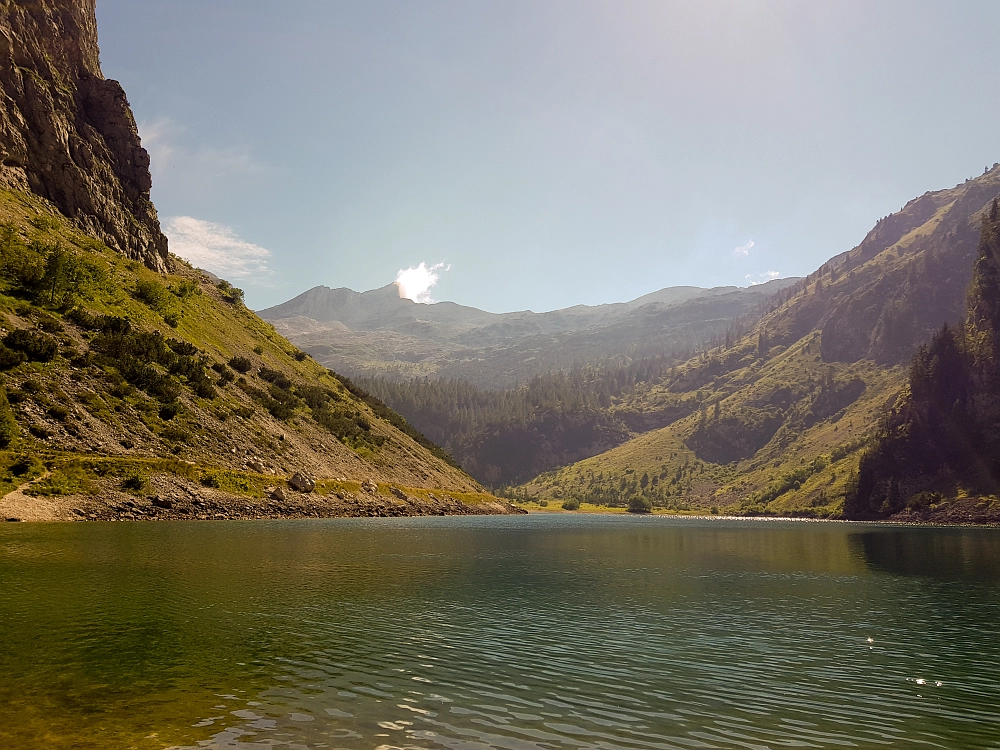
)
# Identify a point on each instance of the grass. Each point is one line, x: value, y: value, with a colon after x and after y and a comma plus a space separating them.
x: 189, y: 407
x: 802, y: 472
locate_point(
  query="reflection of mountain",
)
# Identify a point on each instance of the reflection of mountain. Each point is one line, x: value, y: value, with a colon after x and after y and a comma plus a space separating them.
x: 378, y: 333
x: 936, y: 553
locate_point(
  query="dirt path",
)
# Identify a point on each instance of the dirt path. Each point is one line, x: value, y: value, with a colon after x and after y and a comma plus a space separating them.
x: 15, y: 505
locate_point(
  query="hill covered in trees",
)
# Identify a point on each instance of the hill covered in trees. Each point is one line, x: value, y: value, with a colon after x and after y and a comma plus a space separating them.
x: 785, y: 414
x: 505, y: 437
x: 941, y: 440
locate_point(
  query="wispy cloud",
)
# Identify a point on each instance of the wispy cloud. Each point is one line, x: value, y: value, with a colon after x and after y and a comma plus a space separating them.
x: 415, y: 282
x: 743, y: 250
x: 216, y: 248
x: 164, y: 140
x: 762, y: 278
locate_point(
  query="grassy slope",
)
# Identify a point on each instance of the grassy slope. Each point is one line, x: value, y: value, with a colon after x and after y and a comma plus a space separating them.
x: 859, y: 324
x: 73, y: 416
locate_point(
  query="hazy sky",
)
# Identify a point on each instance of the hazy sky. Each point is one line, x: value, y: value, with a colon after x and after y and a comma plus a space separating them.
x: 544, y: 154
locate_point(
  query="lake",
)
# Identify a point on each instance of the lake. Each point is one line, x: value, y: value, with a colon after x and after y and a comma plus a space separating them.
x: 525, y: 632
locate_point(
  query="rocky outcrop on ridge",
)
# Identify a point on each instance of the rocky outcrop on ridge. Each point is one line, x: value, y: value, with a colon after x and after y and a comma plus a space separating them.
x: 67, y: 133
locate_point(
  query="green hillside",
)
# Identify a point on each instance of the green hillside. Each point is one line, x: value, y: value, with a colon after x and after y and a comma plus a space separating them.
x: 939, y: 446
x: 113, y: 376
x: 777, y: 422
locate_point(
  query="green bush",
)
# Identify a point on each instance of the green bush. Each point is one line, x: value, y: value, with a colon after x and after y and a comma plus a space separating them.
x: 9, y: 358
x: 571, y: 504
x: 639, y: 504
x: 26, y: 464
x: 153, y: 294
x: 279, y: 379
x: 8, y: 424
x: 241, y: 364
x: 230, y: 293
x: 186, y: 289
x: 38, y: 347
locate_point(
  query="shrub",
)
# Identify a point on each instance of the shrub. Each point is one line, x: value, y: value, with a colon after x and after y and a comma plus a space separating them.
x: 278, y: 379
x: 182, y: 348
x: 571, y: 504
x: 301, y: 356
x: 26, y: 464
x: 241, y: 364
x: 230, y: 293
x: 176, y: 434
x: 9, y: 358
x: 185, y: 289
x: 639, y: 504
x: 38, y: 347
x: 258, y: 349
x: 210, y: 480
x: 169, y: 411
x: 49, y: 324
x: 58, y: 411
x: 135, y: 483
x: 8, y: 424
x: 152, y: 293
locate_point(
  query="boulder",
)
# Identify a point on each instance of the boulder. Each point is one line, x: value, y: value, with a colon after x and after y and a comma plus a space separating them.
x: 301, y: 483
x: 369, y: 486
x: 276, y: 493
x: 398, y: 493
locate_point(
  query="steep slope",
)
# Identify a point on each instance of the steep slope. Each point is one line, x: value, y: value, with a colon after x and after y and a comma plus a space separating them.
x: 132, y: 385
x: 67, y: 133
x: 937, y: 451
x: 776, y: 422
x: 378, y: 334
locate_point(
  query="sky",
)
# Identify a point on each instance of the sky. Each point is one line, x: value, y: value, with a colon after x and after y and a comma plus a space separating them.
x: 536, y: 154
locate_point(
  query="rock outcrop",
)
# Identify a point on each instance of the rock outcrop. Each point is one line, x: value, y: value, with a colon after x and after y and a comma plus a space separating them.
x: 67, y: 133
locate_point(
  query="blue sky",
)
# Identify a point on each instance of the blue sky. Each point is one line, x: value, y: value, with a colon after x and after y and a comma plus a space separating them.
x: 545, y: 154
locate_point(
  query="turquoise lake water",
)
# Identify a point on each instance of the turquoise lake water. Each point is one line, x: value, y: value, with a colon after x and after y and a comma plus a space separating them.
x: 520, y: 633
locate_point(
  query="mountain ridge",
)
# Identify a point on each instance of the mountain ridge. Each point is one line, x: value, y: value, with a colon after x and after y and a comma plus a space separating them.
x: 377, y: 333
x: 778, y: 420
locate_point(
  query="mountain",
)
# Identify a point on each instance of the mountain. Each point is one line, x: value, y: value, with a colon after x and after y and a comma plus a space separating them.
x: 131, y: 384
x: 777, y: 422
x: 68, y: 134
x: 937, y: 451
x: 377, y: 333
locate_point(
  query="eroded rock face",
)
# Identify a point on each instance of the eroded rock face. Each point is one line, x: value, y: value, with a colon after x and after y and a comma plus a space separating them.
x: 67, y: 133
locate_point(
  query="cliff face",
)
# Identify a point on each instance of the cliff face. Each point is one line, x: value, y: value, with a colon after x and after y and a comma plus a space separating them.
x: 67, y: 133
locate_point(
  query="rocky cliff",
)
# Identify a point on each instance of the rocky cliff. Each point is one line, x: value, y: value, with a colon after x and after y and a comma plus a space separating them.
x: 67, y: 133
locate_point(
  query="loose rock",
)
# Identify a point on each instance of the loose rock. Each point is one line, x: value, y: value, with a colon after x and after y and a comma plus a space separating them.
x: 301, y: 482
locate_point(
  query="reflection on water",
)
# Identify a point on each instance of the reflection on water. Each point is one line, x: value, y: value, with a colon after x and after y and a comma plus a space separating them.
x: 936, y: 552
x: 520, y: 633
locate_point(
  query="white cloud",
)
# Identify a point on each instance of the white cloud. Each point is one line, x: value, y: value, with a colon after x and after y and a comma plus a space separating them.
x: 743, y: 250
x: 216, y: 248
x: 415, y: 282
x: 762, y: 278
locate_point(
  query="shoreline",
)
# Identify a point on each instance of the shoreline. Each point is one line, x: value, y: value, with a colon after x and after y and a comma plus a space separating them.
x: 173, y: 498
x: 900, y: 522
